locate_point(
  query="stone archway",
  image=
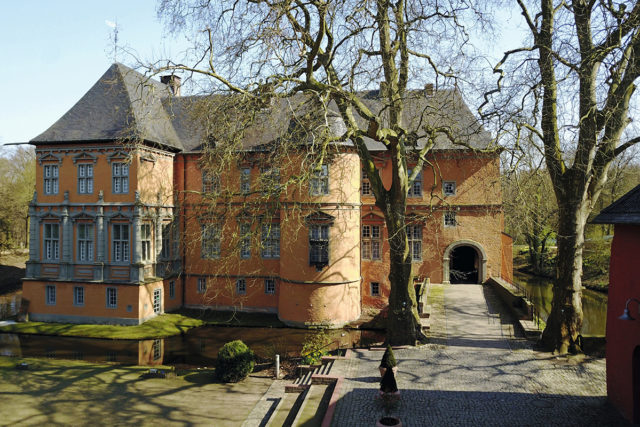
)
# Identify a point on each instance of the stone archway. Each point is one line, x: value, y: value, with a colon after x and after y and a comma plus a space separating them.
x: 468, y: 255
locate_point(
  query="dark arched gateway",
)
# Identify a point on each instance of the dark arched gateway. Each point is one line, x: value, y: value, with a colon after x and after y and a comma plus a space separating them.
x: 464, y: 264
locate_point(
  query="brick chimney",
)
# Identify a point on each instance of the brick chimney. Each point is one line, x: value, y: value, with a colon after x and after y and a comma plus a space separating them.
x: 173, y: 82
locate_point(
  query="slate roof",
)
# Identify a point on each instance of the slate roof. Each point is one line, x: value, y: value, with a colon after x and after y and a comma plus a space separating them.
x: 625, y: 210
x: 125, y: 104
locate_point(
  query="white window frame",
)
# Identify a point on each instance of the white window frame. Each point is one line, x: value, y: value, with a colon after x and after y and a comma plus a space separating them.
x: 449, y: 188
x: 145, y: 241
x: 241, y: 286
x: 270, y: 286
x: 319, y: 181
x: 319, y: 244
x: 51, y: 242
x: 85, y: 242
x: 120, y: 242
x: 415, y: 190
x: 78, y: 296
x: 210, y: 241
x: 245, y: 180
x: 157, y: 300
x: 450, y: 219
x: 50, y: 294
x: 85, y: 178
x: 111, y: 295
x: 371, y: 242
x: 414, y: 235
x: 120, y: 178
x: 210, y: 183
x: 202, y: 285
x: 245, y: 240
x: 51, y: 183
x: 270, y: 240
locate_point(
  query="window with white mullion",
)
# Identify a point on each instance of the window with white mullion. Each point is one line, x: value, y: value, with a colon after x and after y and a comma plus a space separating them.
x: 245, y: 241
x: 414, y: 235
x: 120, y: 242
x: 415, y: 189
x: 371, y: 242
x: 319, y: 244
x: 50, y: 179
x: 85, y: 242
x: 120, y: 174
x: 270, y: 240
x: 52, y: 241
x: 85, y: 179
x: 145, y: 241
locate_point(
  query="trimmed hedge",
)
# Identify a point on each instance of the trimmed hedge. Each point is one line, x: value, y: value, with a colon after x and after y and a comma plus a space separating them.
x: 235, y: 362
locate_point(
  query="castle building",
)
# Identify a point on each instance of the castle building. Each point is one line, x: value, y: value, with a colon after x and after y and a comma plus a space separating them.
x: 132, y: 218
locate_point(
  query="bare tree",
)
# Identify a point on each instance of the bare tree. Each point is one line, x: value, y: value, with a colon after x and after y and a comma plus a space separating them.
x: 330, y: 51
x: 17, y: 182
x: 585, y: 56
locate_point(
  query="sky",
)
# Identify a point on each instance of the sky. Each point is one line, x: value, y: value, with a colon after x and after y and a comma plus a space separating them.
x: 52, y: 53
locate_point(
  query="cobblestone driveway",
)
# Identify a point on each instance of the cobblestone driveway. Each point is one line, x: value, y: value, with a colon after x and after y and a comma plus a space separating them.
x: 474, y: 372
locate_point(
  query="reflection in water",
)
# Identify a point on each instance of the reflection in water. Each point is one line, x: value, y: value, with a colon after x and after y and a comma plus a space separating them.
x: 594, y: 304
x: 198, y: 347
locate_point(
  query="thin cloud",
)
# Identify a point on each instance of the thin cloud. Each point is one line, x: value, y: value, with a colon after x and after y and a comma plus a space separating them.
x: 110, y: 24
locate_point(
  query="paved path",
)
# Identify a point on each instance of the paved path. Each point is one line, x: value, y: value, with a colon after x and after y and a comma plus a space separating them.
x: 474, y: 372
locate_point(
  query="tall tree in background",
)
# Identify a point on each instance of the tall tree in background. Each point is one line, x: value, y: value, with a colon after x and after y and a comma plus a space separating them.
x: 586, y: 56
x: 329, y: 50
x: 17, y: 182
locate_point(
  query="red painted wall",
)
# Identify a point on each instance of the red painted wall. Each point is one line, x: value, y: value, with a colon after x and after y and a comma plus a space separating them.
x: 623, y: 336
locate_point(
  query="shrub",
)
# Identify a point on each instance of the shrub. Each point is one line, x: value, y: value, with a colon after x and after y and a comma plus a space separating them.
x: 388, y: 359
x: 235, y: 362
x: 313, y: 348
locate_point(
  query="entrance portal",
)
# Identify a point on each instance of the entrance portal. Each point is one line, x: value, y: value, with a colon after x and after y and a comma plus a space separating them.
x: 464, y: 265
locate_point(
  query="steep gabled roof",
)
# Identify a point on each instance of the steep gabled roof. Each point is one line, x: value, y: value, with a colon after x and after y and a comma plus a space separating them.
x: 126, y: 105
x: 625, y: 210
x: 122, y: 105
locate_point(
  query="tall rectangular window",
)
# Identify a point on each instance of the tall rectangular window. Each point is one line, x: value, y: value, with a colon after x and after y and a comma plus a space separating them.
x: 50, y: 294
x: 120, y: 175
x: 365, y: 186
x: 145, y: 240
x: 85, y: 179
x: 78, y: 296
x: 270, y: 286
x: 245, y: 180
x: 172, y: 289
x: 202, y: 285
x: 51, y: 242
x: 120, y: 242
x: 50, y: 179
x: 85, y: 242
x: 157, y: 301
x: 270, y: 180
x: 241, y: 286
x: 165, y: 253
x: 414, y: 234
x: 210, y: 183
x: 415, y: 190
x: 319, y: 244
x: 210, y: 241
x: 112, y: 297
x: 270, y: 240
x: 245, y: 241
x: 371, y: 242
x: 320, y: 181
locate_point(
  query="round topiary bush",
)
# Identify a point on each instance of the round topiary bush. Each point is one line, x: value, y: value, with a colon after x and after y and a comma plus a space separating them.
x: 235, y: 362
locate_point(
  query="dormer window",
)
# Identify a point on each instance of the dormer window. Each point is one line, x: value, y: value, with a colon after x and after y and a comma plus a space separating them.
x: 50, y: 179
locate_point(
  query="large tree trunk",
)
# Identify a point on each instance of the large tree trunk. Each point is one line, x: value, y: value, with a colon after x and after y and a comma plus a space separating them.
x: 403, y: 325
x: 565, y: 320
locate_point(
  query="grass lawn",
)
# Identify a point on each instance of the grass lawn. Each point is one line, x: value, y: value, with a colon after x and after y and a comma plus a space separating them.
x: 162, y: 326
x: 63, y: 392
